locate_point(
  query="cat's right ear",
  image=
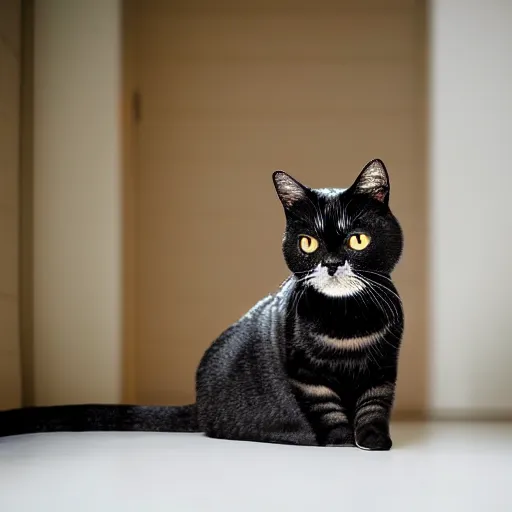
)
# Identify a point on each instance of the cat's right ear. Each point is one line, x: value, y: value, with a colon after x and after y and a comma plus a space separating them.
x: 289, y: 190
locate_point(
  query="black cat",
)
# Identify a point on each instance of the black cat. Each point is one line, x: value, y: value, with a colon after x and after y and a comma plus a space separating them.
x: 314, y: 363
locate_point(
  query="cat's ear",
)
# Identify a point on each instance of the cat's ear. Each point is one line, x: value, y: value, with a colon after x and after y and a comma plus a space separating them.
x: 289, y: 190
x: 373, y: 181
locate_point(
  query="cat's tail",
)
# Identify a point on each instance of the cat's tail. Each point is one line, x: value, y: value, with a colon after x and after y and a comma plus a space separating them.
x: 82, y: 418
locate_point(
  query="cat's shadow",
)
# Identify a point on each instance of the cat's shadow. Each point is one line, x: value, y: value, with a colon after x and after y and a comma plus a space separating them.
x: 406, y: 434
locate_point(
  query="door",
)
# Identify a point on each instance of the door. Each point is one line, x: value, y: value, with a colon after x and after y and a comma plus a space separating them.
x: 10, y: 58
x: 227, y: 92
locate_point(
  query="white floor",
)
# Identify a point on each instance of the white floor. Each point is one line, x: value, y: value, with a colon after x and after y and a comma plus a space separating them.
x: 432, y: 467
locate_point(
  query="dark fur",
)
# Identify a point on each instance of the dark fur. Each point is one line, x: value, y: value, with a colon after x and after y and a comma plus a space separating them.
x: 270, y: 377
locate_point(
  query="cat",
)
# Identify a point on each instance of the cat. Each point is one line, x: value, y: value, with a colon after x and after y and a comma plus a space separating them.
x: 314, y: 363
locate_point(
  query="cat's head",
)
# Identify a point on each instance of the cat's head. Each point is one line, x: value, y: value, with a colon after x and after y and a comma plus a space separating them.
x: 336, y: 239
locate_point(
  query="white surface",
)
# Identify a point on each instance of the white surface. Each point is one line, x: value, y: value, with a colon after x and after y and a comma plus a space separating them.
x: 471, y: 109
x: 77, y: 206
x: 436, y: 467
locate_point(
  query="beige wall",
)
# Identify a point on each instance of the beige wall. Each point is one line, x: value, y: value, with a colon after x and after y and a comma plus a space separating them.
x: 230, y: 92
x: 10, y: 64
x: 77, y: 203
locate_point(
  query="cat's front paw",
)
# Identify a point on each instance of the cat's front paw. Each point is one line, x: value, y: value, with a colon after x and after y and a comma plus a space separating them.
x: 340, y: 436
x: 373, y: 437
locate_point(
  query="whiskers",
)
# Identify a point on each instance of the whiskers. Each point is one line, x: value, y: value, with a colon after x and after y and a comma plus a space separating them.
x: 382, y: 296
x: 298, y: 294
x: 385, y: 299
x: 296, y: 300
x: 304, y: 279
x: 369, y: 288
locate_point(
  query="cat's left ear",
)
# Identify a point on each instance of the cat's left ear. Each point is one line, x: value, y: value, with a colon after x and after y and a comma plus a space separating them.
x: 373, y: 181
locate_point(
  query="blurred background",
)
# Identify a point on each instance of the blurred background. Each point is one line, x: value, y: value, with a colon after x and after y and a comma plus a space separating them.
x: 137, y: 213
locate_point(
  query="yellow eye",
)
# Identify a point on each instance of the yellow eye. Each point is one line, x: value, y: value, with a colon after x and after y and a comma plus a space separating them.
x: 359, y: 242
x: 308, y: 244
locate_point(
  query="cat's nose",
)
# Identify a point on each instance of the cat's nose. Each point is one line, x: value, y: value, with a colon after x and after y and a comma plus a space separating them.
x: 331, y: 268
x: 332, y: 265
